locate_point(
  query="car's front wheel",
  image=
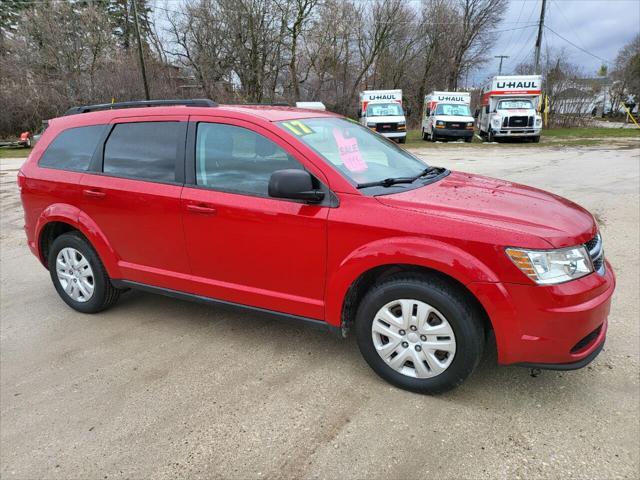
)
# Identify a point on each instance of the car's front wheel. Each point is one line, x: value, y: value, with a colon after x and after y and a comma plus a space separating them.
x: 79, y: 276
x: 419, y: 333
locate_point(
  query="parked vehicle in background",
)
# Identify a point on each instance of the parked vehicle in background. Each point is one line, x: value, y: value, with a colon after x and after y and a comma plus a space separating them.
x: 312, y: 106
x: 311, y: 216
x: 509, y: 108
x: 447, y: 116
x: 381, y: 111
x: 24, y: 140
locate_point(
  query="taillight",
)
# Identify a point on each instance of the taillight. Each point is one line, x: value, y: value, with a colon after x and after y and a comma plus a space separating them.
x: 22, y: 180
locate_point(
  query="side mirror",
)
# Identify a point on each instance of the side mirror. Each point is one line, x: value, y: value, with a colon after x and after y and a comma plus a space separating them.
x: 360, y: 113
x: 477, y: 113
x: 486, y: 109
x: 294, y: 184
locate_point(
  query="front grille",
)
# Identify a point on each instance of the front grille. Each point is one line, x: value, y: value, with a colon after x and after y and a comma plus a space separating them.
x: 596, y: 252
x: 386, y: 127
x: 522, y: 121
x: 456, y: 125
x: 586, y: 341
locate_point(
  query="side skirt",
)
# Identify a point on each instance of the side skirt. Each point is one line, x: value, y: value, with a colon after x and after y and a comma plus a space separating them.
x: 292, y: 319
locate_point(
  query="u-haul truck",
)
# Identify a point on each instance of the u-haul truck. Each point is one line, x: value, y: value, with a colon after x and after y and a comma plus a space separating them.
x: 509, y: 106
x: 381, y: 111
x: 446, y: 115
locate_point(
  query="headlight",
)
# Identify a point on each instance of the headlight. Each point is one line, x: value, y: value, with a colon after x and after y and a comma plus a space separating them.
x: 496, y: 121
x: 469, y: 124
x: 547, y: 267
x: 439, y: 122
x: 371, y: 125
x: 538, y: 121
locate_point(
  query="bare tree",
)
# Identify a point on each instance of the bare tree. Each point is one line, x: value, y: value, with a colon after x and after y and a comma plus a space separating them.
x: 470, y: 35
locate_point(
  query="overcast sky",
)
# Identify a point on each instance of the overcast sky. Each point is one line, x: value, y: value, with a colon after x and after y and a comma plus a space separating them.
x: 600, y: 27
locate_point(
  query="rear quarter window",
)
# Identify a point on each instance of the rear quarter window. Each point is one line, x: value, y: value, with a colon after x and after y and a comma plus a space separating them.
x: 72, y: 149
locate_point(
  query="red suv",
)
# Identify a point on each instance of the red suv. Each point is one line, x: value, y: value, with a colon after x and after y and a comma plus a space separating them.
x: 308, y: 215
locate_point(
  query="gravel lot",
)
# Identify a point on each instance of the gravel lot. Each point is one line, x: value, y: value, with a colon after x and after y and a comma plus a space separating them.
x: 160, y: 388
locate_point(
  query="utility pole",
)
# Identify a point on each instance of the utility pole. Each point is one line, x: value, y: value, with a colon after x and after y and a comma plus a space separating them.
x: 539, y: 39
x: 501, y: 57
x: 143, y: 70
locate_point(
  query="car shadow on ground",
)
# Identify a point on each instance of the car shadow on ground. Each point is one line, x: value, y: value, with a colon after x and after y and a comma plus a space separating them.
x: 492, y: 383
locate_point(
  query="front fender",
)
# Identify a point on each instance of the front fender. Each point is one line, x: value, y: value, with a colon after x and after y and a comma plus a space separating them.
x: 428, y: 253
x: 76, y: 218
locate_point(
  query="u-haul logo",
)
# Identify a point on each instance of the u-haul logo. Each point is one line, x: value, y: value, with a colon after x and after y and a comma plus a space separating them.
x: 518, y: 85
x: 381, y: 97
x: 450, y: 98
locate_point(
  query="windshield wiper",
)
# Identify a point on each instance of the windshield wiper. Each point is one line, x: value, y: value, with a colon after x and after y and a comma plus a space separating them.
x: 388, y: 182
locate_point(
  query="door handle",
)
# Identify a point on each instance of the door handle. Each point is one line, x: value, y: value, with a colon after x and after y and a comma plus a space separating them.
x: 204, y: 209
x: 93, y: 193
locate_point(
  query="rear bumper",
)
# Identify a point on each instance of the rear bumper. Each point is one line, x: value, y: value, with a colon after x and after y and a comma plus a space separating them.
x: 556, y: 325
x: 452, y: 133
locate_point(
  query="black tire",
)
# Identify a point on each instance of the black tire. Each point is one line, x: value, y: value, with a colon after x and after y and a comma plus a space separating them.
x: 462, y: 315
x: 433, y: 136
x: 536, y: 139
x: 468, y: 139
x: 402, y: 140
x: 104, y: 293
x: 425, y: 137
x: 490, y: 137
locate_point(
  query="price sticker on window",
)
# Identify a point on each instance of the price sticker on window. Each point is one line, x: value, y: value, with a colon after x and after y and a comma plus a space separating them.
x: 349, y: 152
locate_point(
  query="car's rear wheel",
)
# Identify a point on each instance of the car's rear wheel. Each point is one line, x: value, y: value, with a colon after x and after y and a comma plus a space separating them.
x: 419, y: 333
x: 79, y: 276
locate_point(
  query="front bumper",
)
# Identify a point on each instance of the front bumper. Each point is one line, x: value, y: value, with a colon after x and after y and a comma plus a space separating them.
x: 452, y: 133
x: 549, y: 325
x: 517, y: 132
x: 393, y: 134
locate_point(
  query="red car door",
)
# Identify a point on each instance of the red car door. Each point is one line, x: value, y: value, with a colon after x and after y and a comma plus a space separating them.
x: 245, y: 247
x: 134, y: 198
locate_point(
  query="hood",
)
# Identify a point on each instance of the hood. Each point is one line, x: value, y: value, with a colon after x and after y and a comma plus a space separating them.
x: 500, y: 204
x: 386, y: 119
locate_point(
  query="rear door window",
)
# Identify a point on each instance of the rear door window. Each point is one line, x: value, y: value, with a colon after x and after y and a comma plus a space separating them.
x: 144, y: 150
x: 72, y: 149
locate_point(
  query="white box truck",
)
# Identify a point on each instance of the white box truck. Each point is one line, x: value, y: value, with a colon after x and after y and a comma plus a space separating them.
x: 509, y: 106
x: 381, y: 111
x: 447, y: 116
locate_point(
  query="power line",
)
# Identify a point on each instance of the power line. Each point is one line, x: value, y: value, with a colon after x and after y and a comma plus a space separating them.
x: 576, y: 46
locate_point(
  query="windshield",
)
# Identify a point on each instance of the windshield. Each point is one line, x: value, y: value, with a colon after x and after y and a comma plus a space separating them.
x: 355, y: 151
x: 384, y: 110
x: 511, y: 104
x: 459, y: 110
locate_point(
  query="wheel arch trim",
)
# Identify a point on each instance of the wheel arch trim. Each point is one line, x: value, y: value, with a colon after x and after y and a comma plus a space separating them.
x: 411, y: 251
x: 78, y: 220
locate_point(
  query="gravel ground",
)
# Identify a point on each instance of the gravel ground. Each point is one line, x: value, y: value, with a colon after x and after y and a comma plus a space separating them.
x: 160, y: 388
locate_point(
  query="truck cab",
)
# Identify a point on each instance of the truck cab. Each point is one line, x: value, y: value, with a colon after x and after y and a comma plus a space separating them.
x: 446, y: 115
x: 509, y: 108
x: 381, y: 111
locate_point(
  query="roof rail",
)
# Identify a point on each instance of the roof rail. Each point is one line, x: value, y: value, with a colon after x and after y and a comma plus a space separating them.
x: 267, y: 104
x: 197, y: 102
